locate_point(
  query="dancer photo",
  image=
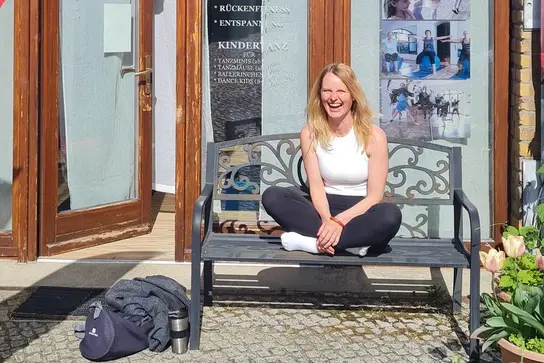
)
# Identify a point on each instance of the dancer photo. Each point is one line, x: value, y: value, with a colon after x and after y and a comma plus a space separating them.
x: 426, y: 10
x: 428, y: 51
x: 398, y: 10
x: 423, y: 50
x: 425, y: 110
x: 463, y: 60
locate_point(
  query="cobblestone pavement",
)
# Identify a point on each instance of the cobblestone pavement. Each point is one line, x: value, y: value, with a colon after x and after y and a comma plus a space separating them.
x: 272, y: 329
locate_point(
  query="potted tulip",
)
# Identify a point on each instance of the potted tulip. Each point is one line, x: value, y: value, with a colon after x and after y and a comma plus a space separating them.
x: 523, y: 270
x: 517, y: 326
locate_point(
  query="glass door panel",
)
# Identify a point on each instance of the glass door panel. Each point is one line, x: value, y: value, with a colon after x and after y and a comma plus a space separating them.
x: 6, y: 118
x: 98, y: 116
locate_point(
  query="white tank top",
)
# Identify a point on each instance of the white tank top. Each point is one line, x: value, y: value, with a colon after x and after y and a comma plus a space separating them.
x: 343, y: 166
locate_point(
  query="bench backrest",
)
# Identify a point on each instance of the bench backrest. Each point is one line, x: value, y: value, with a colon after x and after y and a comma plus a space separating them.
x: 420, y: 173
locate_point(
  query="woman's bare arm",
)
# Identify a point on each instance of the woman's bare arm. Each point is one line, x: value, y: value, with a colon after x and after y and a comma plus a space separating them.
x: 315, y: 181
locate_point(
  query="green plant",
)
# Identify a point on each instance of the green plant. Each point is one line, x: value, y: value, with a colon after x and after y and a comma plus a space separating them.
x: 521, y: 321
x: 533, y: 344
x: 437, y: 294
x: 523, y: 271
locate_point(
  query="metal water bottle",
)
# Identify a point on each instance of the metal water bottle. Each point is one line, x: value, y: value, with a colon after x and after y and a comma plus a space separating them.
x: 179, y: 330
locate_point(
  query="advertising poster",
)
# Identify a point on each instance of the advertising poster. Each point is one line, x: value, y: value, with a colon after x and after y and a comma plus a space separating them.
x: 425, y: 69
x: 235, y: 54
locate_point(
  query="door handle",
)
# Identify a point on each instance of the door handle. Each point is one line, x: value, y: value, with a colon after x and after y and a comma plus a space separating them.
x: 147, y: 73
x: 132, y: 70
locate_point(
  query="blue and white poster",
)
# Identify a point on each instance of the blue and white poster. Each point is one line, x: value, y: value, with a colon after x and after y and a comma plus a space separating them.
x: 425, y: 69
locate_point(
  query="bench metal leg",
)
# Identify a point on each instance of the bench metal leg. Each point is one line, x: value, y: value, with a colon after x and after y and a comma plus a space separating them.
x: 194, y: 334
x: 457, y: 289
x: 474, y: 322
x: 208, y: 283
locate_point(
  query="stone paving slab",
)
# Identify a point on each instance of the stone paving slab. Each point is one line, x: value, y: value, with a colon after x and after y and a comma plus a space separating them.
x: 272, y: 328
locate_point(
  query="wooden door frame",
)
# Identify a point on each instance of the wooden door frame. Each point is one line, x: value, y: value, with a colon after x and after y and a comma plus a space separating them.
x: 95, y: 225
x: 189, y: 99
x: 15, y: 242
x: 188, y: 120
x: 500, y: 116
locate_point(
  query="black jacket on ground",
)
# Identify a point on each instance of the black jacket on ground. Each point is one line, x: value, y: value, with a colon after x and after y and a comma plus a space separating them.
x: 150, y: 296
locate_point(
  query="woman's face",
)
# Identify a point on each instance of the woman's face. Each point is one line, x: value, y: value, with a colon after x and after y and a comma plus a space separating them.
x: 335, y: 97
x: 401, y: 4
x: 428, y: 33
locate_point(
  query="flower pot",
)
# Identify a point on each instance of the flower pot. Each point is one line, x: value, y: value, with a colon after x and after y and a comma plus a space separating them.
x: 512, y: 354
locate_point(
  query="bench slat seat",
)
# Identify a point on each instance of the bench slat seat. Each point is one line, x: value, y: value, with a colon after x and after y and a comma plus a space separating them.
x: 252, y: 248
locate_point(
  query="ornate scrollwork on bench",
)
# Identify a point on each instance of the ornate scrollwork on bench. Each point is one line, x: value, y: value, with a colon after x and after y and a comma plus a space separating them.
x: 424, y: 180
x: 415, y: 229
x: 419, y: 174
x: 283, y: 161
x: 415, y: 171
x: 247, y: 227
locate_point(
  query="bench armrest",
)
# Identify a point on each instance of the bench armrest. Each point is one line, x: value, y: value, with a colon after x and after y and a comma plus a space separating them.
x: 460, y: 199
x: 202, y: 204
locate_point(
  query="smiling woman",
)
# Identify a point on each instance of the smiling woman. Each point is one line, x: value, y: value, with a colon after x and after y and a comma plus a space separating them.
x: 346, y: 161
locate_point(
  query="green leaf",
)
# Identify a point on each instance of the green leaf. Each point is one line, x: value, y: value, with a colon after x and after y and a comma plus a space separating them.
x: 526, y: 317
x: 482, y: 332
x: 493, y: 307
x: 540, y: 311
x: 525, y: 230
x: 494, y: 338
x: 527, y: 261
x: 496, y: 322
x: 540, y: 169
x: 520, y: 297
x: 506, y: 281
x: 531, y: 305
x: 511, y: 230
x: 540, y: 211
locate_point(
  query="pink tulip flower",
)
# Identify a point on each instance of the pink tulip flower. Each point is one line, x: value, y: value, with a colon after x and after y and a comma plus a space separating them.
x: 539, y: 260
x: 493, y: 261
x: 514, y: 246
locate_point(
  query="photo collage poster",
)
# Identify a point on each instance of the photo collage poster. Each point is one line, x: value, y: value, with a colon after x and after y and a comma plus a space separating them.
x: 425, y: 69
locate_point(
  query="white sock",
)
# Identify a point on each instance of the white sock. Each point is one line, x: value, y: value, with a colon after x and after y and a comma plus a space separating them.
x: 293, y: 241
x: 361, y: 251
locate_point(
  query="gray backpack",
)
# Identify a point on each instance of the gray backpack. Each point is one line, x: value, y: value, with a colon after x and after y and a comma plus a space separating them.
x: 108, y: 335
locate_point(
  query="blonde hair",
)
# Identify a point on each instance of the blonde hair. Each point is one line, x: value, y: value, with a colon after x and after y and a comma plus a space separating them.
x: 317, y: 116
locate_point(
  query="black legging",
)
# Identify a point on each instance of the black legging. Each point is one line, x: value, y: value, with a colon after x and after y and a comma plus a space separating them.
x: 295, y: 213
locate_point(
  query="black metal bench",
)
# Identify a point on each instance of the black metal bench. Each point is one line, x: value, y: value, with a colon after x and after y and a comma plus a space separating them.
x: 421, y: 175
